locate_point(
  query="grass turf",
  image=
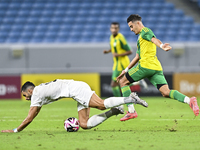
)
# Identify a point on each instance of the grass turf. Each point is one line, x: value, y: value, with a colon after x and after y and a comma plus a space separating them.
x: 166, y: 124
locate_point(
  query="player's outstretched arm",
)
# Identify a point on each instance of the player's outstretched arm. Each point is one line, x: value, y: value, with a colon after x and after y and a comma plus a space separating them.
x: 106, y: 51
x: 122, y: 54
x: 165, y: 47
x: 31, y: 115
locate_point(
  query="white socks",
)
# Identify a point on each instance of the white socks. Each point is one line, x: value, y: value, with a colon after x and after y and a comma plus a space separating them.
x: 131, y: 108
x: 113, y: 102
x: 96, y: 120
x: 187, y: 100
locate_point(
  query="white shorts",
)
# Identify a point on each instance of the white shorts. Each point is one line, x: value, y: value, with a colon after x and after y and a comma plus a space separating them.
x: 80, y: 92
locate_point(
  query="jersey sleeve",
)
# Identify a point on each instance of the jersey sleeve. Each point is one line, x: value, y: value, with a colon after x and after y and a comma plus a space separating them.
x: 35, y: 99
x: 147, y: 34
x: 124, y: 44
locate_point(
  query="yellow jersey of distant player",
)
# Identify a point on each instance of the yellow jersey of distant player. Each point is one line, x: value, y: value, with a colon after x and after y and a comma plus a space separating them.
x: 119, y: 45
x: 147, y: 50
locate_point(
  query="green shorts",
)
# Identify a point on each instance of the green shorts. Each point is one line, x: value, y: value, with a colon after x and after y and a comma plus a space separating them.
x: 155, y: 77
x: 115, y: 74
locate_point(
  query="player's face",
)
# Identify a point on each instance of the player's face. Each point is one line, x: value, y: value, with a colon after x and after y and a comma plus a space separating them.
x: 134, y: 27
x: 114, y: 29
x: 27, y: 95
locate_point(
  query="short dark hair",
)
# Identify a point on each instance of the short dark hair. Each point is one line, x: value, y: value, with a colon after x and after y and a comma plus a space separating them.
x: 27, y: 85
x: 134, y: 17
x: 115, y: 23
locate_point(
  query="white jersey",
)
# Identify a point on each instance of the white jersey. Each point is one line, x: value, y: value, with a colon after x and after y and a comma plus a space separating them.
x: 47, y: 93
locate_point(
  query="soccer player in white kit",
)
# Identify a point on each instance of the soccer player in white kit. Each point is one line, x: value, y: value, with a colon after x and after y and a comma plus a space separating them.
x: 47, y: 93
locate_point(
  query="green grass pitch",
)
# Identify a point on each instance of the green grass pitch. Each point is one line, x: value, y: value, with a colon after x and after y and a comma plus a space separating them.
x: 167, y: 124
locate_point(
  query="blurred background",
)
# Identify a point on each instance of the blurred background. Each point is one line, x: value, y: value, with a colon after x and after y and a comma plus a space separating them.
x: 41, y: 40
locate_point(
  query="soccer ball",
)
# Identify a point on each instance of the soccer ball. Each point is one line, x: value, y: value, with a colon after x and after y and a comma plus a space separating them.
x: 71, y: 124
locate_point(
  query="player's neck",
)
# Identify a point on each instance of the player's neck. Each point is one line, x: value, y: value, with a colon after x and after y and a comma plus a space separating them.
x: 114, y: 35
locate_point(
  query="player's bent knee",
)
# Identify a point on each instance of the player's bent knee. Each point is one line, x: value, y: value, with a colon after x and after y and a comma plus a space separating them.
x: 101, y: 107
x: 83, y: 125
x: 165, y: 94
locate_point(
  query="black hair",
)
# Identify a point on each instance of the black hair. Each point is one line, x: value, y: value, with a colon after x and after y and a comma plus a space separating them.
x: 115, y: 23
x: 134, y: 17
x: 27, y: 85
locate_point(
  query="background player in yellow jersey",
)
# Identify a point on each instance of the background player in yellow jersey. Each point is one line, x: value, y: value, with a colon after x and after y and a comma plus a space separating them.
x: 120, y: 50
x: 148, y: 65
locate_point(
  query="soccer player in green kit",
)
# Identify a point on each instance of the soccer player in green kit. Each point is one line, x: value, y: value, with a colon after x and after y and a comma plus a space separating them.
x: 148, y: 65
x: 120, y: 50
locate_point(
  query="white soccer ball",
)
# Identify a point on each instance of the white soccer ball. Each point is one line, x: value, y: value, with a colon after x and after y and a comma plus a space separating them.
x: 71, y: 124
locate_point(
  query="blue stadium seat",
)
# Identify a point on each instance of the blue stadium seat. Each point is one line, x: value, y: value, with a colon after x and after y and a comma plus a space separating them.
x: 26, y: 6
x: 14, y: 6
x: 50, y: 6
x: 36, y: 40
x: 5, y: 27
x: 20, y: 20
x: 40, y: 28
x: 54, y: 28
x: 44, y: 20
x: 90, y: 27
x: 151, y: 19
x: 168, y: 6
x: 183, y: 33
x: 188, y: 20
x: 176, y: 20
x: 25, y: 36
x: 153, y: 13
x: 38, y: 6
x: 11, y: 40
x: 85, y: 6
x: 9, y: 20
x: 65, y: 27
x: 182, y: 38
x: 23, y: 13
x: 177, y: 13
x: 62, y: 5
x: 50, y: 34
x: 59, y: 13
x: 23, y: 40
x: 108, y: 5
x: 169, y: 38
x: 87, y: 34
x: 47, y: 13
x: 49, y: 40
x: 11, y: 13
x: 89, y: 21
x: 4, y: 34
x: 4, y: 6
x: 38, y: 34
x: 97, y: 5
x: 30, y: 27
x: 61, y: 39
x: 166, y: 12
x: 17, y: 27
x: 120, y: 5
x: 35, y: 13
x: 196, y: 26
x: 194, y: 33
x: 145, y: 5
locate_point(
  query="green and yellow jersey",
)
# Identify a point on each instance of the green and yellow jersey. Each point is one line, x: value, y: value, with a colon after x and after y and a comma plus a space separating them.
x: 147, y: 50
x: 119, y: 45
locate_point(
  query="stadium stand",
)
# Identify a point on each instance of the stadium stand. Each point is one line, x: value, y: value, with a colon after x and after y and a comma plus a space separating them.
x: 24, y: 21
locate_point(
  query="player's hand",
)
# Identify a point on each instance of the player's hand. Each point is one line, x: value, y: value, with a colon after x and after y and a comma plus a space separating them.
x: 9, y: 131
x: 115, y: 55
x: 105, y: 51
x: 166, y: 47
x: 121, y: 75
